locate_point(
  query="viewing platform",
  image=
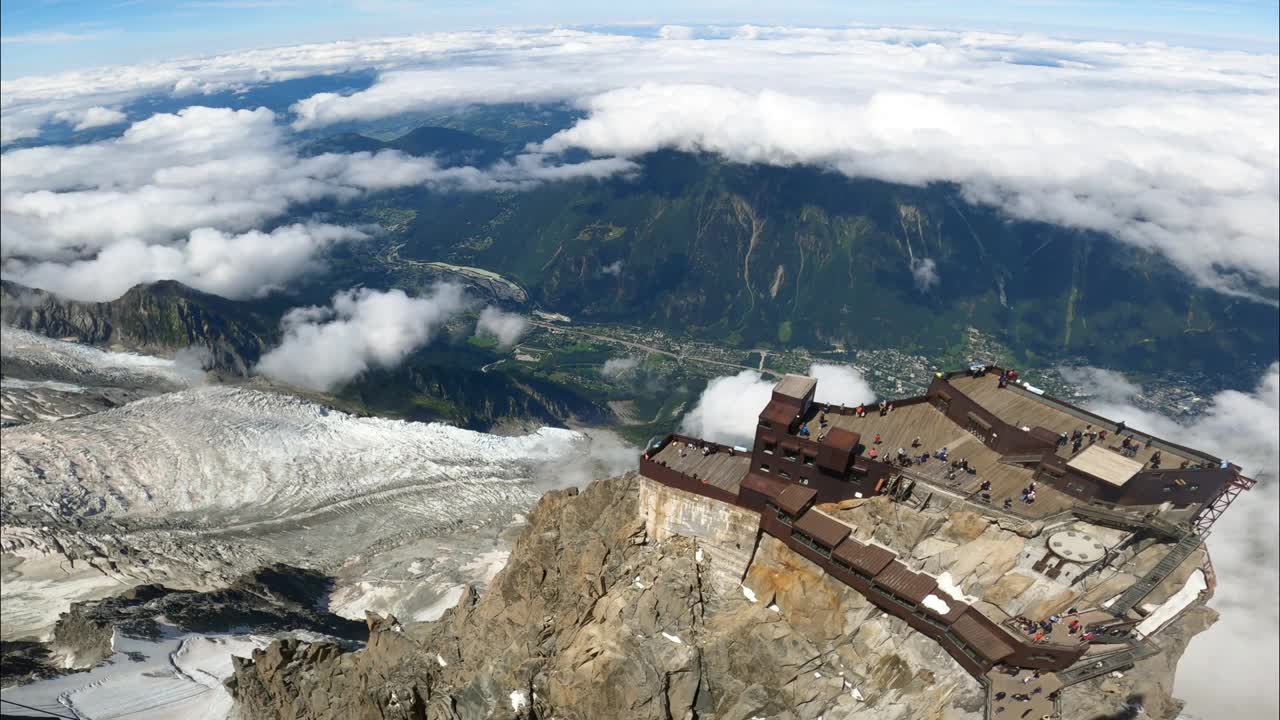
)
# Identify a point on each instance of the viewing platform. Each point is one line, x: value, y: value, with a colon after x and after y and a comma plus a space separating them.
x: 984, y: 443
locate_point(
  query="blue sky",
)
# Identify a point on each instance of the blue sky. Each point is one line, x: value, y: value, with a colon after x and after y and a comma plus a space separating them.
x: 42, y: 36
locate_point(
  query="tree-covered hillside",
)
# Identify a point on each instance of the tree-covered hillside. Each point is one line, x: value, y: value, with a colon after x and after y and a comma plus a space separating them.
x: 799, y: 256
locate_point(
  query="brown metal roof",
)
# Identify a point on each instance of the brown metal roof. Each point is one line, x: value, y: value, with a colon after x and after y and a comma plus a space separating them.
x: 795, y: 498
x: 778, y: 413
x: 825, y: 530
x: 844, y: 440
x: 867, y: 559
x: 796, y: 386
x: 978, y: 634
x: 906, y: 584
x: 766, y: 485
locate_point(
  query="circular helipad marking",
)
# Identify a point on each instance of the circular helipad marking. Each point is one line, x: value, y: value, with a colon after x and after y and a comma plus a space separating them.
x: 1076, y: 546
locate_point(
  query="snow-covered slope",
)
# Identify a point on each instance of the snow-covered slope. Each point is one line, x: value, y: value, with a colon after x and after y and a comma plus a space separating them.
x: 233, y: 456
x: 191, y: 487
x: 36, y: 357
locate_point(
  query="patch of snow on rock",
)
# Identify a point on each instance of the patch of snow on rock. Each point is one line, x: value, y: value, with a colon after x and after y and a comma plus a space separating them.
x: 1176, y: 603
x: 748, y: 593
x: 672, y: 638
x: 936, y: 604
x: 948, y: 585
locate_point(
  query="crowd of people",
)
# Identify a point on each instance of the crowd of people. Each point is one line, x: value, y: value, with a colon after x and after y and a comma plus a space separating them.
x: 1041, y: 631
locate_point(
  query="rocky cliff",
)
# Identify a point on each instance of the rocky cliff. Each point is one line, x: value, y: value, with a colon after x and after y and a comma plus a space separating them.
x: 156, y: 318
x: 632, y: 600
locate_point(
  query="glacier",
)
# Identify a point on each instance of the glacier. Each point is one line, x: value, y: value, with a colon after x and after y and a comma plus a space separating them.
x: 189, y: 488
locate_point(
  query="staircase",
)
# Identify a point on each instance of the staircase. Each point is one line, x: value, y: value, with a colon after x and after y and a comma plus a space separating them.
x: 1170, y: 562
x: 1127, y: 521
x: 1092, y: 668
x: 1020, y: 460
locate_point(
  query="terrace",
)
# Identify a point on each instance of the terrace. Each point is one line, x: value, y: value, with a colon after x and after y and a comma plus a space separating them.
x: 903, y: 425
x: 719, y: 469
x: 1022, y: 408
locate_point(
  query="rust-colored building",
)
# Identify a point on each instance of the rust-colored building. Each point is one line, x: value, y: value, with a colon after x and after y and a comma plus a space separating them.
x: 1049, y: 455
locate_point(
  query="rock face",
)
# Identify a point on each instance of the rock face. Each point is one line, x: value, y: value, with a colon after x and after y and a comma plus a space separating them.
x: 266, y: 599
x: 157, y: 318
x: 632, y: 600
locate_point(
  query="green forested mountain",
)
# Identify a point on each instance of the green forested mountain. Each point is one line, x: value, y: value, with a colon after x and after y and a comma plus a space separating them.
x: 799, y: 256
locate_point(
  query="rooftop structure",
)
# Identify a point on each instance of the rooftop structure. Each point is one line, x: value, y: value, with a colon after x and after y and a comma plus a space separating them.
x: 1001, y: 448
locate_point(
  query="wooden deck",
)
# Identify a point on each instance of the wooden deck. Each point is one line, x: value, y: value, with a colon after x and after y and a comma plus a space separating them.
x: 719, y: 469
x: 899, y: 428
x: 1024, y: 410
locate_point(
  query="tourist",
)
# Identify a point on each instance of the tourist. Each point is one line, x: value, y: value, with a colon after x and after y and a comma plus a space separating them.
x: 986, y: 485
x: 1008, y: 503
x: 890, y: 409
x: 872, y: 453
x: 877, y: 440
x: 916, y: 443
x: 861, y: 411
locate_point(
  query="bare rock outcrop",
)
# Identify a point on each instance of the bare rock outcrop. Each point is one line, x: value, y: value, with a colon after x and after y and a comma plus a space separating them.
x: 629, y: 600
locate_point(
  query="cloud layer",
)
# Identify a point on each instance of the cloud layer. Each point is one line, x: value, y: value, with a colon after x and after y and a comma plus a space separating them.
x: 1169, y: 149
x: 1166, y: 148
x: 163, y: 199
x: 325, y: 347
x: 246, y: 265
x: 1244, y: 428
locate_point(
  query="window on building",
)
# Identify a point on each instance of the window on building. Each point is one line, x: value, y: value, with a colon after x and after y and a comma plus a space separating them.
x: 784, y: 474
x: 808, y: 460
x: 804, y: 480
x: 789, y: 454
x: 766, y: 424
x: 1193, y: 487
x: 770, y: 447
x: 764, y: 467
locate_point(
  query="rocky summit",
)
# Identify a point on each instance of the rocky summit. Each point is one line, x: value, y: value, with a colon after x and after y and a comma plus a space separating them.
x: 631, y: 600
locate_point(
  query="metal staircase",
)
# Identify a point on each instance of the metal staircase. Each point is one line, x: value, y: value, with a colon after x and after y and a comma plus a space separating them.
x: 1127, y: 521
x: 1130, y: 598
x: 1096, y: 667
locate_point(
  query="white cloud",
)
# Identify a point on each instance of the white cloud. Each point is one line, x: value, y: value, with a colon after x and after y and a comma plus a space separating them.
x: 676, y: 32
x: 251, y: 264
x: 840, y: 385
x: 325, y: 347
x: 1167, y: 148
x: 1107, y: 386
x: 924, y: 271
x: 96, y: 116
x: 729, y: 409
x: 615, y: 368
x: 614, y: 268
x: 504, y: 326
x: 138, y: 196
x: 1230, y: 670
